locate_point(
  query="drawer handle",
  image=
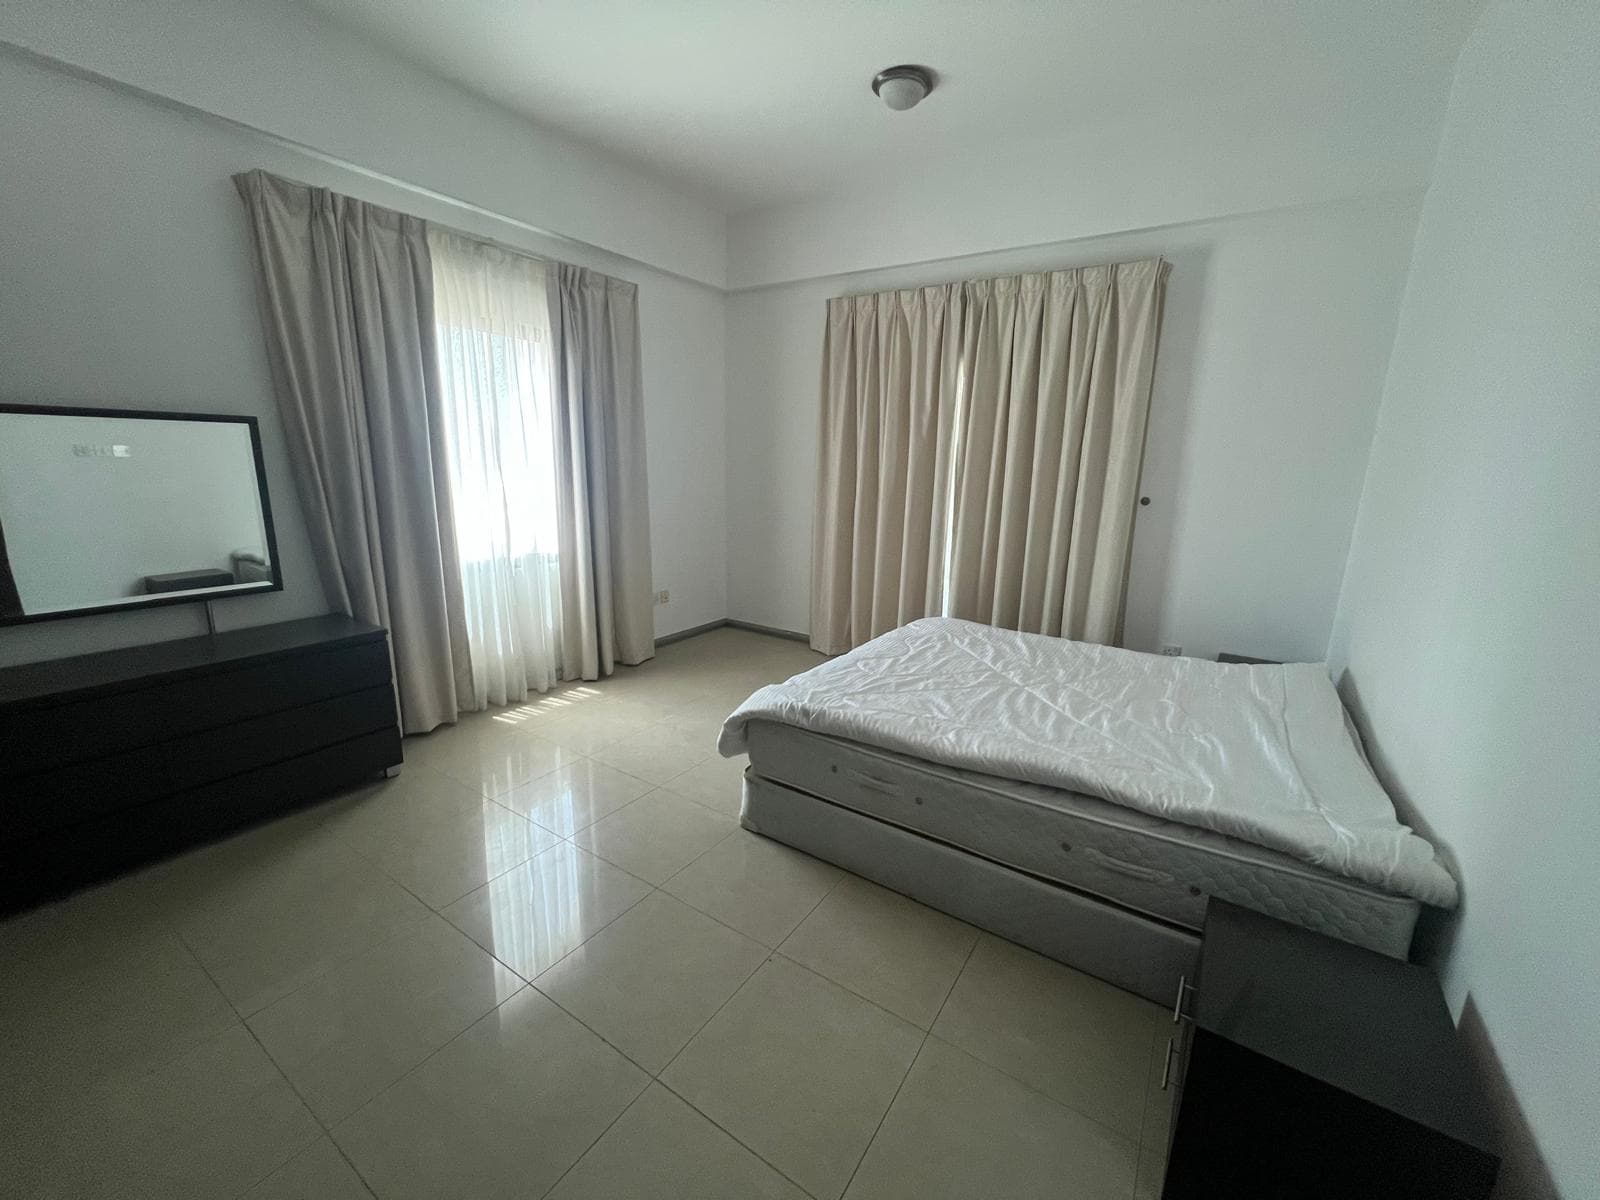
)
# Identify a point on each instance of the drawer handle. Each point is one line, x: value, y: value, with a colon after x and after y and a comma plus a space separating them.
x: 1184, y: 986
x: 1166, y: 1067
x: 1132, y: 870
x: 873, y: 784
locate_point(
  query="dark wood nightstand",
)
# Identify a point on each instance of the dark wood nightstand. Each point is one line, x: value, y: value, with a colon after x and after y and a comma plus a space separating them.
x: 1305, y: 1067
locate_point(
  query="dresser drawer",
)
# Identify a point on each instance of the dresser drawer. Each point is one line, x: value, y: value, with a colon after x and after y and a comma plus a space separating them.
x: 49, y: 737
x: 66, y: 797
x: 119, y: 840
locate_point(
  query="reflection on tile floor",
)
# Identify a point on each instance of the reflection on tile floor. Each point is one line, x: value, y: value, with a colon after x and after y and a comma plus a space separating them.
x: 546, y: 960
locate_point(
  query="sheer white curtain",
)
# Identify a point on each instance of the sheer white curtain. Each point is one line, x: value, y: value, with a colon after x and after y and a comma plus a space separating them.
x: 492, y: 315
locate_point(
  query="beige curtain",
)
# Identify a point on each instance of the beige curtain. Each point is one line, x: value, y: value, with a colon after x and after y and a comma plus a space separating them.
x: 603, y: 509
x: 891, y: 365
x: 1058, y: 389
x: 346, y: 298
x: 980, y: 453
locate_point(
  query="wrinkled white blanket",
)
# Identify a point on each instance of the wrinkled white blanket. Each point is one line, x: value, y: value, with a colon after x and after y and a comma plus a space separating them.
x: 1260, y: 753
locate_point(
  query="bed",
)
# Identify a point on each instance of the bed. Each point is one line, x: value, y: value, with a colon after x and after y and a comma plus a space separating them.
x: 1085, y: 801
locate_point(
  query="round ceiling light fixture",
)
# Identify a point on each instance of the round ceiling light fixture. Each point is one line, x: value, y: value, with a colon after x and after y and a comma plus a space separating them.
x: 902, y: 87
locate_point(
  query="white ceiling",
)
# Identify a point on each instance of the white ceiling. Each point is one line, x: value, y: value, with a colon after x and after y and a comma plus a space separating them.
x: 748, y: 103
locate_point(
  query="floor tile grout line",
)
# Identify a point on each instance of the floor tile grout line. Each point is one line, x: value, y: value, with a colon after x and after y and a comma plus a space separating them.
x: 1034, y: 1088
x: 527, y: 984
x: 578, y: 945
x: 626, y: 1108
x: 431, y: 1055
x: 884, y: 1116
x: 805, y: 1191
x: 911, y: 1066
x: 795, y: 962
x: 354, y: 1170
x: 701, y: 1028
x: 244, y: 1024
x: 772, y: 952
x: 326, y: 1130
x: 954, y: 1045
x: 965, y: 963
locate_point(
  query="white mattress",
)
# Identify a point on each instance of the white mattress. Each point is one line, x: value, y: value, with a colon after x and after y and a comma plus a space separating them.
x: 1156, y: 867
x: 1257, y: 753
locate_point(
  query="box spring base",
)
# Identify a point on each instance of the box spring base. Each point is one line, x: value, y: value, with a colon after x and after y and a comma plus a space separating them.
x: 1134, y: 952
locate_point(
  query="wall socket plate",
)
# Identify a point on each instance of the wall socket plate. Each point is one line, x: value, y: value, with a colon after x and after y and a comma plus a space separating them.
x: 1172, y: 651
x: 663, y: 597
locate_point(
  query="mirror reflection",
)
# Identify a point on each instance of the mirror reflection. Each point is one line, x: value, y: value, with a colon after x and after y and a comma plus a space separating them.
x: 118, y: 509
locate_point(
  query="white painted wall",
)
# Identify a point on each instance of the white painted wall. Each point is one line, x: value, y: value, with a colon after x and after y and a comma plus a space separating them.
x: 1276, y: 336
x: 125, y: 281
x: 273, y: 65
x: 1467, y: 633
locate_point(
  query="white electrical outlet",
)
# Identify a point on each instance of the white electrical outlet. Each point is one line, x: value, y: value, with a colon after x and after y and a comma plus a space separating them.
x: 1172, y: 651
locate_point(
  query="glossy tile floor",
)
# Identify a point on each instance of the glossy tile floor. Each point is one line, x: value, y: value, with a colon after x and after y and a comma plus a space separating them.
x: 546, y: 961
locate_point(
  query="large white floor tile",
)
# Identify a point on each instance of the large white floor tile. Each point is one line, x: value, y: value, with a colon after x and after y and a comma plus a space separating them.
x: 350, y: 1033
x: 441, y: 864
x: 449, y: 741
x: 319, y: 1172
x: 537, y: 913
x: 960, y: 1128
x: 212, y: 1122
x: 656, y: 836
x: 1075, y: 1038
x: 649, y: 980
x: 759, y: 887
x: 656, y: 753
x: 503, y: 1110
x: 274, y: 908
x: 437, y: 838
x: 575, y: 796
x: 881, y: 945
x: 494, y: 765
x: 661, y: 1149
x: 717, y: 783
x: 418, y: 796
x: 1157, y: 1127
x: 593, y: 727
x: 799, y: 1070
x: 1152, y: 1172
x: 94, y: 987
x: 697, y: 725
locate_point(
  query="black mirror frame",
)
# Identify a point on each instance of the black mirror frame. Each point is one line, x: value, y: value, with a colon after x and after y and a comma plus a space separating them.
x: 274, y: 585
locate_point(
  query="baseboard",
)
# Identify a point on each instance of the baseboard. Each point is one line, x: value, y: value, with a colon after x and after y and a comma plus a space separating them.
x: 730, y: 623
x: 770, y: 630
x: 694, y: 631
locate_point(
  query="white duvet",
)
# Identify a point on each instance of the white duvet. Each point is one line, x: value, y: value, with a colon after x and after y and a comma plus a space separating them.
x: 1260, y: 753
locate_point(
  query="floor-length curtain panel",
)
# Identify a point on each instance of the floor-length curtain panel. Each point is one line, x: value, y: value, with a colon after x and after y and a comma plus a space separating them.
x: 494, y: 365
x: 890, y: 377
x: 346, y: 299
x: 603, y: 506
x: 1059, y: 367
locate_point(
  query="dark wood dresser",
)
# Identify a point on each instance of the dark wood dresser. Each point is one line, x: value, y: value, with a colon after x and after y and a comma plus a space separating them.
x: 1305, y: 1067
x: 107, y: 760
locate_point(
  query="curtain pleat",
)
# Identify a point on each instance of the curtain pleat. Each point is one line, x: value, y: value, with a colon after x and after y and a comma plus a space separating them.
x: 980, y: 453
x: 346, y: 298
x: 603, y: 508
x: 891, y: 366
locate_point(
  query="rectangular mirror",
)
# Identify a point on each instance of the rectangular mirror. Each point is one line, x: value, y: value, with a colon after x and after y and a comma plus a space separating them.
x: 107, y: 509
